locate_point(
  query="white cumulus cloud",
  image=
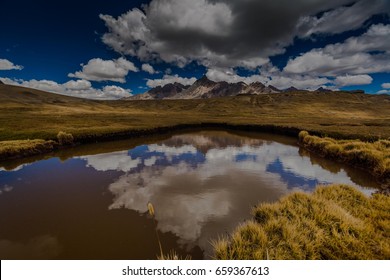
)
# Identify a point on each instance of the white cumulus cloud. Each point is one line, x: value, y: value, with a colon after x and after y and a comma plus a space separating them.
x: 168, y: 79
x: 270, y: 76
x: 354, y: 56
x: 349, y: 80
x: 229, y: 75
x: 148, y: 68
x: 386, y: 89
x: 75, y: 88
x: 116, y: 91
x: 5, y: 64
x: 98, y: 69
x: 78, y: 85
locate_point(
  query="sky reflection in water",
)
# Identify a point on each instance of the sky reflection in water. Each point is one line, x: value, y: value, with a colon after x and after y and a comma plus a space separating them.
x: 202, y: 186
x: 197, y: 181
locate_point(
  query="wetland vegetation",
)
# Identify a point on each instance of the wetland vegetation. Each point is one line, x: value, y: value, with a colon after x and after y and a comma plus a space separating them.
x: 335, y: 222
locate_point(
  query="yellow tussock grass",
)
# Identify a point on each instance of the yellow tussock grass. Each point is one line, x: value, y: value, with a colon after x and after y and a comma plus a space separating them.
x: 335, y: 222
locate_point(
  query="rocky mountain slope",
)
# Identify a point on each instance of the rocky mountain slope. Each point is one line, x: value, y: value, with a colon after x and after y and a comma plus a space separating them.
x: 204, y: 88
x: 168, y: 91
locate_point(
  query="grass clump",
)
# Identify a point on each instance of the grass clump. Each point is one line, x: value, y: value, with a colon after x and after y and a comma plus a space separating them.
x: 173, y: 255
x: 374, y: 157
x: 335, y: 222
x: 22, y: 148
x: 65, y: 138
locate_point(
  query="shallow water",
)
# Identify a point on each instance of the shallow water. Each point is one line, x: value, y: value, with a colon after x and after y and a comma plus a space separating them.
x: 90, y: 202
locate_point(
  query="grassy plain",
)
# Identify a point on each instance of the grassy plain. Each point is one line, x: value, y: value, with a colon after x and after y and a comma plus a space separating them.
x: 335, y: 222
x: 33, y: 114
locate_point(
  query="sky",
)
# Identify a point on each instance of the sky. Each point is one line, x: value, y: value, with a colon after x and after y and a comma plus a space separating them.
x: 111, y: 49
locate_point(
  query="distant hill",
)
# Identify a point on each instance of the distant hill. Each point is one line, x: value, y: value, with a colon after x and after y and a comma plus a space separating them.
x: 204, y: 88
x: 290, y: 89
x: 24, y: 95
x: 321, y: 89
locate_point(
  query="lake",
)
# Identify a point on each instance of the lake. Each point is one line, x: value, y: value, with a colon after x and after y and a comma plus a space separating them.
x: 90, y: 202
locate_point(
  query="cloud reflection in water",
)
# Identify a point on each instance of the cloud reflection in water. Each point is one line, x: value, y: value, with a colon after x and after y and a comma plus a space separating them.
x: 203, y: 185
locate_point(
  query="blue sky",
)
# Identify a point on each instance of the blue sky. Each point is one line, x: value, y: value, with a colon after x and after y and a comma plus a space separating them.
x: 110, y: 49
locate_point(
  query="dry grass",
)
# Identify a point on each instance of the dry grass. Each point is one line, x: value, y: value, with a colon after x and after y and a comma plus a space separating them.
x: 20, y: 148
x: 65, y: 138
x: 335, y: 222
x: 24, y: 148
x: 173, y: 256
x: 374, y: 157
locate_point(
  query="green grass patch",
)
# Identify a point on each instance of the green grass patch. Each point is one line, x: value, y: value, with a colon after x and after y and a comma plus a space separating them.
x: 335, y: 222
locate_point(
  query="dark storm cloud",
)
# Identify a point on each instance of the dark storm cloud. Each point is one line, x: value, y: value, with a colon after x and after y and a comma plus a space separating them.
x: 230, y: 33
x: 342, y: 18
x: 271, y: 25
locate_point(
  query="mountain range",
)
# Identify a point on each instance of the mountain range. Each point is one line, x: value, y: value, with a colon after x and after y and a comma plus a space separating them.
x: 205, y: 88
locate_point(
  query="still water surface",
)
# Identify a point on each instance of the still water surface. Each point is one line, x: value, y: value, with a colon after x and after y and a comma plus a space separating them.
x: 90, y: 202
